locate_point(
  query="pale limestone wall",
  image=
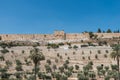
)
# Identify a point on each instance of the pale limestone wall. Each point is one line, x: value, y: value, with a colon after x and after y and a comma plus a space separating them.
x: 58, y: 35
x: 26, y: 36
x: 108, y: 35
x: 77, y: 36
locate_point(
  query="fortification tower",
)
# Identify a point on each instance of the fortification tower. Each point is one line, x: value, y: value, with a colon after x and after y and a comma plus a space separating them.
x: 59, y: 34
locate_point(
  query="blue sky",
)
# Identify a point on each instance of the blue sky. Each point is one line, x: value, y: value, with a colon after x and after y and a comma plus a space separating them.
x: 45, y: 16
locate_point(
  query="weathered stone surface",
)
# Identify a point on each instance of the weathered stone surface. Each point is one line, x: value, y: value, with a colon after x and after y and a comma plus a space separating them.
x: 57, y: 35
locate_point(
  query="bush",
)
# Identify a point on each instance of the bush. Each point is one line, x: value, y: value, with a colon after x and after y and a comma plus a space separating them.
x: 76, y: 67
x: 81, y: 76
x: 105, y: 55
x: 83, y: 58
x: 67, y: 62
x: 56, y: 60
x: 73, y: 53
x: 49, y: 61
x: 19, y: 68
x: 23, y: 51
x: 4, y: 51
x: 91, y: 63
x: 89, y: 57
x: 53, y: 46
x: 96, y: 56
x: 70, y: 47
x: 58, y: 54
x: 31, y: 77
x: 99, y: 52
x: 68, y: 73
x: 18, y: 62
x: 18, y: 75
x: 5, y: 76
x: 48, y: 68
x: 107, y: 51
x: 75, y: 47
x: 61, y: 44
x: 8, y: 63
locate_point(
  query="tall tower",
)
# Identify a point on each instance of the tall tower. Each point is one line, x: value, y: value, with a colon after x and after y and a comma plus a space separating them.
x: 59, y: 34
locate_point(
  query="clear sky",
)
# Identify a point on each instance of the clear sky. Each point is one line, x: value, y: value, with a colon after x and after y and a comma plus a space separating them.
x: 45, y: 16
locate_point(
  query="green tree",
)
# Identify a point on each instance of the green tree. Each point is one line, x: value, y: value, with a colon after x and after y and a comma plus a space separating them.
x: 54, y: 67
x: 92, y: 75
x: 81, y: 76
x: 99, y: 30
x: 36, y: 56
x: 91, y: 35
x: 116, y: 55
x: 76, y: 67
x: 61, y: 69
x: 49, y: 61
x: 48, y: 68
x: 109, y: 31
x: 75, y: 47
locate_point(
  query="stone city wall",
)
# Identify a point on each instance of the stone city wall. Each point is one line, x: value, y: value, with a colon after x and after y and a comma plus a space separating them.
x: 57, y: 35
x: 108, y: 35
x: 77, y: 36
x: 25, y: 37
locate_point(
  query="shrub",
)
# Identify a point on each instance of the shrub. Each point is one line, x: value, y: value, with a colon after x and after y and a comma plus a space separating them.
x: 60, y: 57
x: 83, y: 58
x: 31, y: 77
x: 66, y: 54
x: 65, y: 66
x: 90, y: 52
x: 92, y: 75
x: 70, y: 68
x: 99, y: 52
x: 49, y: 61
x: 8, y: 63
x: 56, y: 60
x: 64, y: 77
x: 54, y: 67
x: 76, y: 67
x: 61, y: 69
x: 18, y: 62
x: 106, y: 51
x: 68, y: 57
x: 23, y: 51
x: 96, y: 56
x: 68, y: 73
x: 114, y: 67
x: 61, y: 44
x: 41, y: 75
x: 58, y: 54
x: 5, y: 76
x: 82, y: 52
x: 75, y: 47
x: 73, y: 53
x: 67, y: 62
x: 106, y: 68
x: 105, y: 55
x: 2, y: 58
x: 48, y: 68
x: 70, y: 47
x: 19, y: 68
x: 99, y: 68
x: 4, y: 51
x: 89, y: 57
x: 91, y: 63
